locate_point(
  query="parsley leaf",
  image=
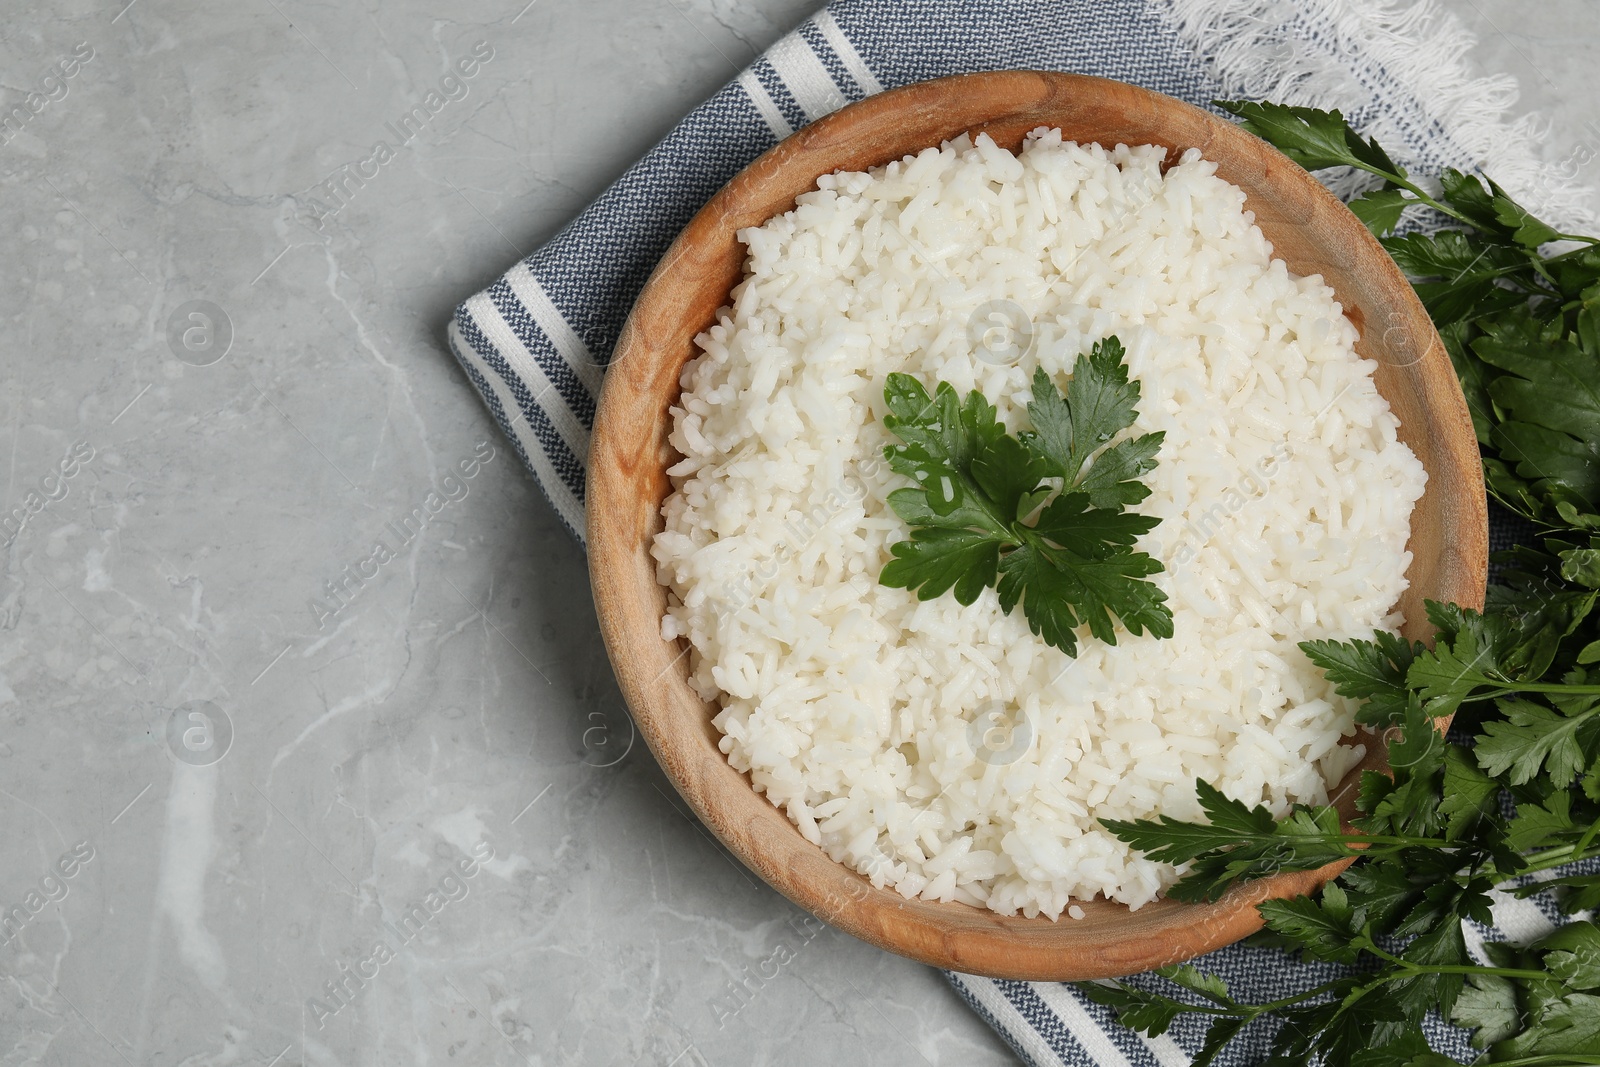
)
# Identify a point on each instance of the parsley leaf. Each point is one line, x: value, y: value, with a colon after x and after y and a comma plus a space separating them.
x: 1534, y: 738
x: 1460, y: 279
x: 1488, y: 1005
x: 1468, y: 793
x: 1312, y: 138
x: 1381, y: 209
x: 1572, y: 954
x: 1100, y: 402
x: 1406, y: 801
x: 1568, y: 1026
x: 1328, y: 929
x: 1550, y: 393
x: 975, y: 505
x: 1374, y: 671
x: 1239, y: 843
x: 1149, y: 1013
x: 1472, y: 651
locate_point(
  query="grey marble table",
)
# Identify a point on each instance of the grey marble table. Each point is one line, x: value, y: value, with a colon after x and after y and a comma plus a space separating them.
x: 269, y: 794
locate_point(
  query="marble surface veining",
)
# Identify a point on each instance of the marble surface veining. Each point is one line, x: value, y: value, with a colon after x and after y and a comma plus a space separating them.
x: 309, y: 752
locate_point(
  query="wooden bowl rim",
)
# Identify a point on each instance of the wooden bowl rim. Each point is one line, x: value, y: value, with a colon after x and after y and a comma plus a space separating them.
x: 969, y: 939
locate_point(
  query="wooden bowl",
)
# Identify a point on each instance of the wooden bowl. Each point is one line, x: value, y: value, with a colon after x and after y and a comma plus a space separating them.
x: 1312, y: 232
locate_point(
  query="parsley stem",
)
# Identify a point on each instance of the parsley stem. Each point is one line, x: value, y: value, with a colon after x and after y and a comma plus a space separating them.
x: 1402, y: 840
x: 1553, y: 688
x: 1473, y: 968
x: 1417, y: 191
x: 1394, y: 840
x: 1548, y: 858
x: 1545, y: 859
x: 1297, y: 998
x: 1000, y: 525
x: 1532, y: 1061
x: 1249, y: 1011
x: 1444, y: 209
x: 1588, y: 837
x: 1559, y: 688
x: 1573, y: 253
x: 1412, y: 967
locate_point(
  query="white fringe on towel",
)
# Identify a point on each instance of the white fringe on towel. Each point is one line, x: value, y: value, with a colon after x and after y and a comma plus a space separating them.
x: 1398, y: 71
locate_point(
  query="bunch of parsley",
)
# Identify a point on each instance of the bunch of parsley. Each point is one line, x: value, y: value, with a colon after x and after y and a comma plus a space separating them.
x: 1517, y: 802
x: 1039, y: 515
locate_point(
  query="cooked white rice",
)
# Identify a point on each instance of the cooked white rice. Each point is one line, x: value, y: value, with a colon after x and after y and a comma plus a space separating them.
x: 944, y: 750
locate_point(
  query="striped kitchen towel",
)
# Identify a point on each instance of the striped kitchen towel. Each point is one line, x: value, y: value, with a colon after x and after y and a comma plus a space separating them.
x: 535, y: 343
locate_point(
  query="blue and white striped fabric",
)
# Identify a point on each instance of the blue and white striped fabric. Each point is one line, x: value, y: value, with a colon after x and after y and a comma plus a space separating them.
x: 535, y: 342
x: 1048, y: 1023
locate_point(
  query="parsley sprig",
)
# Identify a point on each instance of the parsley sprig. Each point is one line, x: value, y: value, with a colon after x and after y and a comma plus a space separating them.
x: 1037, y: 515
x: 1430, y: 841
x: 1512, y: 797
